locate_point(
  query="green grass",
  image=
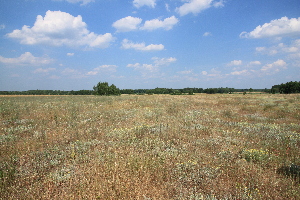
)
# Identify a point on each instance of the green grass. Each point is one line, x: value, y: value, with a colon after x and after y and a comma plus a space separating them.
x: 229, y: 146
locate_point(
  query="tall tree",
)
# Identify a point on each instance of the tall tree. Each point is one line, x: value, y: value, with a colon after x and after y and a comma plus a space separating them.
x: 102, y: 88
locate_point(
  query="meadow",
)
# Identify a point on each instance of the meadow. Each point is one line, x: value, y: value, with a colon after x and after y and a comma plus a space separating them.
x: 220, y: 146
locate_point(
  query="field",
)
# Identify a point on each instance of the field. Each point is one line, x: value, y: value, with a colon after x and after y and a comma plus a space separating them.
x: 229, y: 146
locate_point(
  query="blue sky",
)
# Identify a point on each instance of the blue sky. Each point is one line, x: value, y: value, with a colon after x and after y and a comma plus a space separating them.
x: 74, y: 44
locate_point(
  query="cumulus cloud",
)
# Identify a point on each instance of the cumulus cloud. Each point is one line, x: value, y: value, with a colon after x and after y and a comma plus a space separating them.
x: 218, y: 4
x: 207, y: 34
x: 70, y: 54
x: 163, y: 61
x: 154, y: 67
x: 283, y: 27
x: 103, y: 69
x: 281, y: 48
x: 167, y: 7
x: 127, y: 44
x: 235, y: 63
x: 130, y: 23
x: 26, y: 59
x: 194, y: 6
x: 60, y: 28
x: 127, y: 24
x: 166, y: 24
x: 274, y: 67
x: 148, y: 67
x: 255, y: 62
x: 242, y: 72
x: 140, y: 3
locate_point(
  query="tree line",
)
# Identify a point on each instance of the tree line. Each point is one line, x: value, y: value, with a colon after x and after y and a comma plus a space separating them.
x: 47, y: 92
x: 286, y: 88
x: 103, y: 88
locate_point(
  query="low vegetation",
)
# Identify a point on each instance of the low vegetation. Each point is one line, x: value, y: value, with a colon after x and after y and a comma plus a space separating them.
x: 221, y: 146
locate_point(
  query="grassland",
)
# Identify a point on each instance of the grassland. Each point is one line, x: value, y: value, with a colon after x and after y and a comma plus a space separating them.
x: 229, y: 146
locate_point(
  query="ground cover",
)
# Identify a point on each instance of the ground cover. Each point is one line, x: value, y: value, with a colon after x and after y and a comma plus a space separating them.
x: 220, y: 146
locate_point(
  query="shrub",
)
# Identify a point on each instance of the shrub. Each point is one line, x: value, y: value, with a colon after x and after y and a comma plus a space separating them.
x: 256, y: 155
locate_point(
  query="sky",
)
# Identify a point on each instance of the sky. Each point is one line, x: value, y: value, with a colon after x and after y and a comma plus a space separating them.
x: 144, y: 44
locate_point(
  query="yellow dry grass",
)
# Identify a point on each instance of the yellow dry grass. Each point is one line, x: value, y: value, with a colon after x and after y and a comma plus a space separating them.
x: 201, y: 146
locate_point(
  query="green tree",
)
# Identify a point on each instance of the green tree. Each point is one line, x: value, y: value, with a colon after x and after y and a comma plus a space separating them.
x: 102, y: 88
x: 289, y: 87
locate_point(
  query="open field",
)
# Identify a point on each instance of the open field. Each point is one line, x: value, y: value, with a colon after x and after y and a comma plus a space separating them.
x: 229, y: 146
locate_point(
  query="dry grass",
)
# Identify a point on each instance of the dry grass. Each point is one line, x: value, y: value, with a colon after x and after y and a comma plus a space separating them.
x: 149, y: 147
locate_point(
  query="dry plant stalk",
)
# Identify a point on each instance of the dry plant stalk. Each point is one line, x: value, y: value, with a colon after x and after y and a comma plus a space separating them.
x: 228, y: 146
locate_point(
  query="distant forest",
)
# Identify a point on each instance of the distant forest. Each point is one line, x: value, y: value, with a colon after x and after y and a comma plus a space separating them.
x: 284, y: 88
x: 135, y: 91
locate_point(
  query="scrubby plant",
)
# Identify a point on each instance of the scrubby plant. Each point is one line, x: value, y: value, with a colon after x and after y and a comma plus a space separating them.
x: 149, y: 147
x: 256, y: 155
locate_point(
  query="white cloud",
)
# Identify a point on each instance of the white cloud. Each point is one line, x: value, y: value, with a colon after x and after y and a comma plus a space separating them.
x: 283, y: 27
x: 127, y: 24
x: 166, y: 24
x: 130, y: 23
x: 163, y: 61
x: 84, y: 2
x: 207, y: 34
x: 157, y: 63
x: 70, y: 54
x: 140, y: 3
x: 255, y: 63
x: 67, y: 71
x: 104, y: 69
x: 235, y: 63
x: 260, y: 49
x: 219, y: 4
x: 41, y: 70
x: 142, y: 67
x: 60, y: 28
x: 194, y: 6
x: 26, y: 59
x: 274, y: 67
x: 214, y: 74
x: 293, y: 48
x: 126, y: 44
x: 167, y: 7
x: 242, y: 72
